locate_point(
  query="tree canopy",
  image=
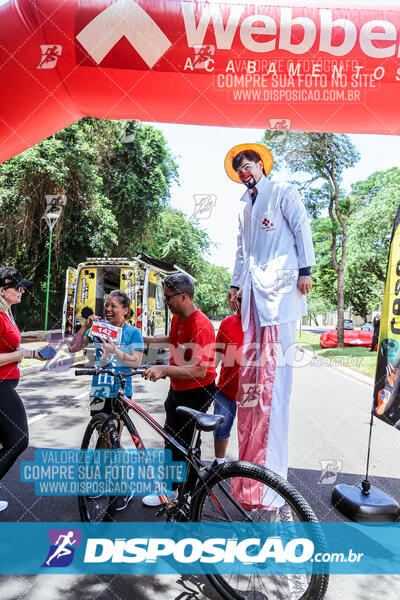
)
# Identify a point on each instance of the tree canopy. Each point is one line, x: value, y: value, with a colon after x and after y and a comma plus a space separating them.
x: 370, y: 230
x: 320, y: 159
x: 116, y: 177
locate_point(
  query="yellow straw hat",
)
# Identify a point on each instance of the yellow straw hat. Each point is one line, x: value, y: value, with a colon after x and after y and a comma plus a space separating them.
x: 264, y: 153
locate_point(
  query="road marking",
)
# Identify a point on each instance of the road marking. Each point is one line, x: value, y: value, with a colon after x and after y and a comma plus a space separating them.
x: 37, y: 418
x: 80, y: 395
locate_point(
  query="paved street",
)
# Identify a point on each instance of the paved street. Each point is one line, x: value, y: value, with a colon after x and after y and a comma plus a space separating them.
x: 329, y: 421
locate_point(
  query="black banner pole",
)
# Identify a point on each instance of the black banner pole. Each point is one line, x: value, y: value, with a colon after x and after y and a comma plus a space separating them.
x: 365, y: 502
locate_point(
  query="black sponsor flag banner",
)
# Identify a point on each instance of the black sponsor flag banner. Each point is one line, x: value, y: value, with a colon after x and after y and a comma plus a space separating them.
x: 386, y: 404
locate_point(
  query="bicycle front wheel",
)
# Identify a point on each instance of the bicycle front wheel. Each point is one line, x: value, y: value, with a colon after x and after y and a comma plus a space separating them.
x: 100, y: 434
x: 242, y: 491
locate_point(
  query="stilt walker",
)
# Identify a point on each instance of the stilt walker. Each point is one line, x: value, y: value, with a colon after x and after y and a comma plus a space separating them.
x: 272, y: 275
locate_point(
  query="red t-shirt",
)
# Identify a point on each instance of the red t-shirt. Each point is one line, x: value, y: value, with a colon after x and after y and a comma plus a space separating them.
x: 229, y: 343
x: 10, y: 339
x: 192, y: 342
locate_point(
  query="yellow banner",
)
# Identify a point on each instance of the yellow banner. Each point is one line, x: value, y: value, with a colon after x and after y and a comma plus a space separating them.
x: 387, y: 390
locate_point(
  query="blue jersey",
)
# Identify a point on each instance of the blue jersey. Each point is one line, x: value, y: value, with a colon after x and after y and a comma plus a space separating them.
x: 103, y: 385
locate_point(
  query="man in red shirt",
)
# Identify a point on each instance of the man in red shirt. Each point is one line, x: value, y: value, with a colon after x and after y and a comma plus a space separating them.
x: 229, y: 345
x: 191, y: 366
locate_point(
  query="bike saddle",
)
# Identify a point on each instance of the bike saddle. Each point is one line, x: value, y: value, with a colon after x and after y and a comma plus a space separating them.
x: 203, y: 422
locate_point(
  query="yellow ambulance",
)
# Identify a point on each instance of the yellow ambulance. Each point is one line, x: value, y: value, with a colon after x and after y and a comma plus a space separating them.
x: 141, y: 278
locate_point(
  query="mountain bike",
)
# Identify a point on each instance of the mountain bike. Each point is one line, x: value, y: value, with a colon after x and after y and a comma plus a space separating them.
x: 232, y: 492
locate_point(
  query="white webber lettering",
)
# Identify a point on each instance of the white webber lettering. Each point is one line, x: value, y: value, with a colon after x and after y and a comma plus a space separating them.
x: 124, y: 18
x: 223, y: 36
x: 309, y: 28
x: 261, y: 24
x: 367, y: 36
x: 247, y: 30
x: 327, y: 27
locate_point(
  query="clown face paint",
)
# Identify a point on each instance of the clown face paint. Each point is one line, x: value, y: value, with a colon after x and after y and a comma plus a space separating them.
x: 250, y: 172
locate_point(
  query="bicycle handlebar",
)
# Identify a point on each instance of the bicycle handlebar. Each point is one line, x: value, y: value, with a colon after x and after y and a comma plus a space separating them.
x: 85, y: 372
x: 97, y: 371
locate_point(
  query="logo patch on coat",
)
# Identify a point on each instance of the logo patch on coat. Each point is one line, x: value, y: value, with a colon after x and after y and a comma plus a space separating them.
x: 267, y: 225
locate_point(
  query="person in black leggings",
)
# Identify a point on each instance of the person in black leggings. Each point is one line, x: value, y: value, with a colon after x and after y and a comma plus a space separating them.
x: 13, y: 425
x: 13, y: 422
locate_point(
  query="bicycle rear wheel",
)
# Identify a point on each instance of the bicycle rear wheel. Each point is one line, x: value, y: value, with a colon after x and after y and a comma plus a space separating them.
x: 100, y: 433
x: 241, y: 487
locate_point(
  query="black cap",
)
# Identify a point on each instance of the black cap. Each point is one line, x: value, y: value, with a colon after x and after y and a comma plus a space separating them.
x: 10, y: 277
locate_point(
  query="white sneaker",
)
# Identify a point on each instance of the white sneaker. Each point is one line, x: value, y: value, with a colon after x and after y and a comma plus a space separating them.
x: 3, y: 505
x: 122, y: 502
x: 154, y: 500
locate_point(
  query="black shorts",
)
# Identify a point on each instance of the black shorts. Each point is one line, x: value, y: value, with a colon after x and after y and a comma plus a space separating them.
x: 181, y: 427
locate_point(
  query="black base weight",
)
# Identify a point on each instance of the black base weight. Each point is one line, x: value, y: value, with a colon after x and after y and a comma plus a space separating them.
x: 354, y: 503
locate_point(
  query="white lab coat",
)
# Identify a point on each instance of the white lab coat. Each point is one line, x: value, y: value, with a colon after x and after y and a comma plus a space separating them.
x: 274, y: 241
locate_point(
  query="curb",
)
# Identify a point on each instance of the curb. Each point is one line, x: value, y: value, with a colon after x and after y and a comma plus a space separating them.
x: 40, y: 335
x: 345, y: 370
x: 53, y: 366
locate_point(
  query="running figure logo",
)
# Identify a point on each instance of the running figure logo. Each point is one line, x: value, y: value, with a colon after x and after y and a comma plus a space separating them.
x: 62, y: 542
x: 251, y: 394
x: 50, y: 55
x: 203, y: 57
x: 204, y: 204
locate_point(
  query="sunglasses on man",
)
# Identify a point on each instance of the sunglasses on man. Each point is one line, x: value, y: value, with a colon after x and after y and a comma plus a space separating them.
x: 167, y: 297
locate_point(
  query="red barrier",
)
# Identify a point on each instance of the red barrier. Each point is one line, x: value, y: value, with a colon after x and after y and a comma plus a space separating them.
x: 352, y: 337
x: 312, y: 67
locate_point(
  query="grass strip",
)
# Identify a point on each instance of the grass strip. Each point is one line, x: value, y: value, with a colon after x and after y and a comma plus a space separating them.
x: 353, y: 357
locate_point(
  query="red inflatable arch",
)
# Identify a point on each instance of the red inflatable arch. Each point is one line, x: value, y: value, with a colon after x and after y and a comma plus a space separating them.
x: 306, y: 67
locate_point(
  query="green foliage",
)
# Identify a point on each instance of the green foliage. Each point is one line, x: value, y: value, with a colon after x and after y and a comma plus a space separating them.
x: 177, y: 240
x: 371, y: 227
x: 324, y: 289
x: 211, y: 294
x: 369, y: 237
x: 116, y: 176
x: 137, y: 178
x: 320, y: 159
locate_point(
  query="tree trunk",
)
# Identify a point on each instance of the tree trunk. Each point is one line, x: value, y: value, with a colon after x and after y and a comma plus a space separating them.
x: 340, y: 307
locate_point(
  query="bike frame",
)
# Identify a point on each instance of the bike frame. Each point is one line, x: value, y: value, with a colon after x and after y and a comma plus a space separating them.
x: 118, y: 410
x: 190, y: 458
